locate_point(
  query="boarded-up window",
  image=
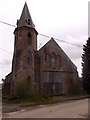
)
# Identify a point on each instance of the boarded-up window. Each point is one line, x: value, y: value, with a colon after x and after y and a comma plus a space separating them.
x: 46, y: 77
x: 52, y: 83
x: 53, y: 89
x: 54, y: 77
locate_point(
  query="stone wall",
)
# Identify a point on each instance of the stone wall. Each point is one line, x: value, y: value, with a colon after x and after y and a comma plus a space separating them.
x: 53, y: 59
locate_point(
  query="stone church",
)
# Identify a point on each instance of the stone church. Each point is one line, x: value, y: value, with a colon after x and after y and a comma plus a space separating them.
x: 49, y: 70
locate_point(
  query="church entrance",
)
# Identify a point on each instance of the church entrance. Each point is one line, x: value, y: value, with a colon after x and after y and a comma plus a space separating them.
x: 52, y: 83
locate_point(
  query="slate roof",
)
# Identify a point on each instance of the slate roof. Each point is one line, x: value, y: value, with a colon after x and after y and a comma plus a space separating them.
x: 25, y: 19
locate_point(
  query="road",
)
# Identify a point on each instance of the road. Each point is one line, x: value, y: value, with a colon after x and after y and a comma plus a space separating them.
x: 0, y: 110
x: 70, y: 109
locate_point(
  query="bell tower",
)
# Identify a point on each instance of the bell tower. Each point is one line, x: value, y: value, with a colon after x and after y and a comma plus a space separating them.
x: 25, y: 46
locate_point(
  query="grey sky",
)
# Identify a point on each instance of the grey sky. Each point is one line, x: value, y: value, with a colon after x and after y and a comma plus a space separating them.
x: 61, y: 19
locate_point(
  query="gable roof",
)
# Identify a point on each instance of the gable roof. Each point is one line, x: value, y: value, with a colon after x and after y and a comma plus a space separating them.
x: 52, y: 40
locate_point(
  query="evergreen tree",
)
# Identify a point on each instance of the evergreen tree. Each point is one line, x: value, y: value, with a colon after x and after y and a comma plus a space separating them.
x: 86, y: 66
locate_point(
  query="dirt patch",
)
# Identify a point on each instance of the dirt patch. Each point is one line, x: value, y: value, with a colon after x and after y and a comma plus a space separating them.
x: 10, y: 108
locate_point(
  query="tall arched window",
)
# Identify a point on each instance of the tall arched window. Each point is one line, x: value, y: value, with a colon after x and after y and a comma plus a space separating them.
x: 58, y: 61
x: 48, y: 60
x: 29, y: 39
x: 53, y: 60
x: 29, y: 58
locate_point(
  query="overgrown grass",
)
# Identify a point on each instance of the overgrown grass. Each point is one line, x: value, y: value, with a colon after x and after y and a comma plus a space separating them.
x: 77, y: 94
x: 29, y: 101
x: 36, y: 100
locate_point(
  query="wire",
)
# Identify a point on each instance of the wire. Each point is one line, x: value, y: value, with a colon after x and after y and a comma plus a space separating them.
x: 60, y: 40
x: 39, y: 34
x: 44, y: 35
x: 7, y: 24
x: 68, y: 42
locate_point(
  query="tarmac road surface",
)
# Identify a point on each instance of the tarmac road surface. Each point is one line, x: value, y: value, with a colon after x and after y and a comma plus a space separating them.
x: 0, y: 110
x: 70, y: 109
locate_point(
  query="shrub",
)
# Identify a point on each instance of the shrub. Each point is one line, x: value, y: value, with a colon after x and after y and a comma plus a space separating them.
x: 23, y: 89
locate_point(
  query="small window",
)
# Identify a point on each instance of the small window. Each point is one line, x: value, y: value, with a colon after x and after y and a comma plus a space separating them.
x: 29, y: 40
x: 28, y: 21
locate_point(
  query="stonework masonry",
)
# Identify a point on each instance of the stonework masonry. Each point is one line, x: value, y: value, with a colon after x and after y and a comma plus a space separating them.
x: 49, y: 70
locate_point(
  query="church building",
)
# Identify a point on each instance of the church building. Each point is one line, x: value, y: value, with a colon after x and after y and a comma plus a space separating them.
x: 49, y: 70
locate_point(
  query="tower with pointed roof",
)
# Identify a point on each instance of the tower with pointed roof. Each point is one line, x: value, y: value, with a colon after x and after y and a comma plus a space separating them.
x: 24, y: 49
x: 25, y: 19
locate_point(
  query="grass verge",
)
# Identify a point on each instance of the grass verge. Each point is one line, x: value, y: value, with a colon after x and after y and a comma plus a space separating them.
x: 29, y: 101
x: 43, y: 100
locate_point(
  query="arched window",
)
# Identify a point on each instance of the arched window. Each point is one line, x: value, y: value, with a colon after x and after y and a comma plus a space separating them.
x: 53, y: 60
x: 48, y: 60
x: 28, y: 79
x: 58, y: 61
x: 29, y: 58
x: 29, y: 40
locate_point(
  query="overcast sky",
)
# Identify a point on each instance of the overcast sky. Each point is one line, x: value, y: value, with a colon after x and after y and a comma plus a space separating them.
x: 62, y: 19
